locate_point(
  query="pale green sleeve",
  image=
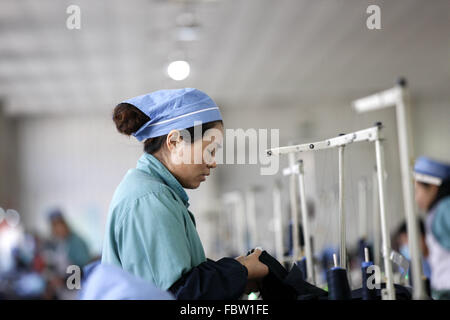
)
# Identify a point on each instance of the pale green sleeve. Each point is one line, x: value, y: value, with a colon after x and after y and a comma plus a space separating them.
x: 151, y: 239
x: 441, y: 223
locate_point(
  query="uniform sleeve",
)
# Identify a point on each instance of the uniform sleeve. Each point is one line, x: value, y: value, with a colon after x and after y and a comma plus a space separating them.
x: 441, y: 223
x: 151, y: 240
x: 222, y: 280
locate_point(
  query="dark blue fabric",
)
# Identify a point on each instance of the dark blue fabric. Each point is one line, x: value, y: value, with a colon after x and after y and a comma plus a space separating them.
x: 212, y: 280
x: 280, y: 284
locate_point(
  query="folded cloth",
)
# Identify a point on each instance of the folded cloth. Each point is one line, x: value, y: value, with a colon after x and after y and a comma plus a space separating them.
x: 281, y: 284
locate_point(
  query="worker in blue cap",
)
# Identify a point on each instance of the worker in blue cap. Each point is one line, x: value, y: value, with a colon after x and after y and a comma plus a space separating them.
x: 109, y: 282
x: 432, y: 193
x: 68, y: 242
x: 150, y: 232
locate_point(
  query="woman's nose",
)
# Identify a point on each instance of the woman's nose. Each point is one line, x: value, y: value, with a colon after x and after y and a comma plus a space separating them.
x: 212, y: 165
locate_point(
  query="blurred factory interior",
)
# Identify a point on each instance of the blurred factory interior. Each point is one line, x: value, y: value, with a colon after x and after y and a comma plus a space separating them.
x: 292, y: 65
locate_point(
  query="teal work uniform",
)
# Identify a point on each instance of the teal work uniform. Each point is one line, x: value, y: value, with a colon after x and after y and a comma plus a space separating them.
x: 438, y: 242
x: 150, y: 232
x: 77, y: 250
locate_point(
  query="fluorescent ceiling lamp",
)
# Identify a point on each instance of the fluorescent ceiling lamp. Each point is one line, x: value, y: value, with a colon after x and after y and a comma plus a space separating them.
x: 380, y: 100
x: 187, y: 34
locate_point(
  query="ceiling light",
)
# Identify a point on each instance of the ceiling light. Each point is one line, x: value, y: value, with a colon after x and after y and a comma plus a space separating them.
x: 178, y: 70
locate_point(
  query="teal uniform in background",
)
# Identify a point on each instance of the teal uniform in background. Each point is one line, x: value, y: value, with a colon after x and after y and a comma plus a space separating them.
x: 77, y: 250
x: 438, y: 241
x: 150, y: 232
x: 441, y: 223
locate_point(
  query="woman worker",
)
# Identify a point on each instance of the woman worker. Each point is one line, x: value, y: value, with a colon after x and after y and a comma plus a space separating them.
x: 432, y: 193
x: 150, y: 231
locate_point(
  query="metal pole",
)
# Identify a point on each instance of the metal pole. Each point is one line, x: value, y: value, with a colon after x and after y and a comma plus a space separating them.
x: 251, y: 217
x: 308, y: 250
x: 239, y: 216
x: 342, y: 234
x: 277, y: 211
x: 362, y: 196
x: 404, y: 143
x: 235, y: 202
x: 384, y: 230
x: 376, y: 220
x: 294, y: 211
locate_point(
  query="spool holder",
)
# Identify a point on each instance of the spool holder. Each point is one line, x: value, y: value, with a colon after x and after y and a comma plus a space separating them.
x: 398, y: 98
x: 298, y: 169
x: 371, y: 134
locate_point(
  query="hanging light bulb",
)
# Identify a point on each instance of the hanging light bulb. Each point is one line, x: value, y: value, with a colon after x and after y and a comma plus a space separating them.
x: 178, y: 70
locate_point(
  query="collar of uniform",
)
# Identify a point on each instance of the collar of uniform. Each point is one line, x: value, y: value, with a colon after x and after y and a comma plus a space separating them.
x: 150, y: 164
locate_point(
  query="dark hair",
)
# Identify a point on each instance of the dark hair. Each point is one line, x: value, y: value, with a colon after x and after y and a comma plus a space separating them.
x: 403, y: 228
x: 129, y: 119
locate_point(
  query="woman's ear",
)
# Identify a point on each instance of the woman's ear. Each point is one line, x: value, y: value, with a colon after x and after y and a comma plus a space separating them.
x: 179, y: 146
x: 173, y: 139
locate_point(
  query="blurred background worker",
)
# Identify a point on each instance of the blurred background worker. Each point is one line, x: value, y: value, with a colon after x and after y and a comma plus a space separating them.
x: 103, y: 281
x: 72, y: 249
x: 401, y: 245
x: 63, y: 249
x: 432, y: 193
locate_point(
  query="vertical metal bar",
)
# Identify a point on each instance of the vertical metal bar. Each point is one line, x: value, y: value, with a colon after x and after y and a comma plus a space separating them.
x: 251, y: 217
x: 362, y: 197
x: 305, y: 224
x: 384, y: 230
x: 294, y: 210
x: 277, y: 211
x: 239, y: 221
x: 342, y: 233
x: 404, y: 142
x: 376, y: 220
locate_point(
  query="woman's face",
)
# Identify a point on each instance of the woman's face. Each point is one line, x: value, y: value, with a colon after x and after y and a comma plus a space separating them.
x: 190, y: 162
x: 425, y: 194
x: 59, y: 229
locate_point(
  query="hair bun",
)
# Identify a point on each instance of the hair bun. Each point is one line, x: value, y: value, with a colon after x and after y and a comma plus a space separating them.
x: 128, y: 118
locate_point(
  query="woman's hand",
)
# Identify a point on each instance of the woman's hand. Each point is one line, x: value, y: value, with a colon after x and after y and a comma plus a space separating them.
x: 256, y: 269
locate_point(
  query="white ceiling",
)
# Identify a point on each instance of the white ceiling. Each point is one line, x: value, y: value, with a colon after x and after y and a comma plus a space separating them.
x: 256, y: 52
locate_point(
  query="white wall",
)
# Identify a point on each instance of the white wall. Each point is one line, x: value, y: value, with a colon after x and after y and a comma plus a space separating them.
x: 8, y: 166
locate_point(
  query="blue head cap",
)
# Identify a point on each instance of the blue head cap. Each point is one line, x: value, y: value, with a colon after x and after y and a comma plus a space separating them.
x: 173, y: 109
x: 431, y: 171
x: 55, y: 214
